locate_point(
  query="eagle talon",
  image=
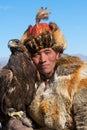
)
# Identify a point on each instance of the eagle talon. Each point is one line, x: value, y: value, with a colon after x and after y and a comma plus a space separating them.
x: 16, y: 114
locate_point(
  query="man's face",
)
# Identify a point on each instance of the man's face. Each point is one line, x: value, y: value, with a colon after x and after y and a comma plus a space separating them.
x: 45, y: 61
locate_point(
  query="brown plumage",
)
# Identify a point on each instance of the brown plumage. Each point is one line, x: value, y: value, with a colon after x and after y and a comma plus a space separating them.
x: 17, y: 80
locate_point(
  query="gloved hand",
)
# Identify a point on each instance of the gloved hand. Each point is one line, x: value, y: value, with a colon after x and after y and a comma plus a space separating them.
x: 17, y: 124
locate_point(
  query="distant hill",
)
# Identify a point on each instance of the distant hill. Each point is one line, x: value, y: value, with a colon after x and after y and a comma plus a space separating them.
x: 3, y: 61
x: 83, y: 57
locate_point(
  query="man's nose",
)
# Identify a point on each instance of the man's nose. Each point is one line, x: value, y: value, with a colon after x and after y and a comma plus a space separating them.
x: 42, y: 57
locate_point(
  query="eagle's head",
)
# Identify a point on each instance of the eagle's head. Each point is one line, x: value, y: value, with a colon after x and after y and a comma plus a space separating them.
x: 15, y: 46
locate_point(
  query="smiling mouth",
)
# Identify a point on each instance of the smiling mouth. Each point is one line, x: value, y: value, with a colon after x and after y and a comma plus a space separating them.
x: 44, y: 66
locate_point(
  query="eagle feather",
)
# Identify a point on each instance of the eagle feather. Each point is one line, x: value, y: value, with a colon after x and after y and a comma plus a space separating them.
x: 42, y: 14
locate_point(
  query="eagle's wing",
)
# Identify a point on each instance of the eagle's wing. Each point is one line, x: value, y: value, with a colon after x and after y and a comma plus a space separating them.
x: 6, y: 77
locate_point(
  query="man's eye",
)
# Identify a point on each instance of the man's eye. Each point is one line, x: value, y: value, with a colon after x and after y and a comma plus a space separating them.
x: 36, y: 54
x: 47, y: 52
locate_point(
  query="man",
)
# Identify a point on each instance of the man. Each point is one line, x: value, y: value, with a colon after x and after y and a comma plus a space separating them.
x: 60, y: 101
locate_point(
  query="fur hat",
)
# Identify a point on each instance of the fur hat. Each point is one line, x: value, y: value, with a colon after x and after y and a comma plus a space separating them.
x: 43, y: 35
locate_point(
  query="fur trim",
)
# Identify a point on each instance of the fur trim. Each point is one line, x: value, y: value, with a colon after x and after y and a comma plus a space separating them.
x: 58, y: 36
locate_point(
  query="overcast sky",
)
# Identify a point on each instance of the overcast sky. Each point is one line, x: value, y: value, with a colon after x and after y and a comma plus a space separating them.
x: 69, y: 15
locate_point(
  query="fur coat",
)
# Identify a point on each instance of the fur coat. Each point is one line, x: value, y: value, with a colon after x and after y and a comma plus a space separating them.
x: 61, y: 104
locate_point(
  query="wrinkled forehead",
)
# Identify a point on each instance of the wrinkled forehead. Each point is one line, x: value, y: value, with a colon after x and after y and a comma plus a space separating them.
x: 45, y: 51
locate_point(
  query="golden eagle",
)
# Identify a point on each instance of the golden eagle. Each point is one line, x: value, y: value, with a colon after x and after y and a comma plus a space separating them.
x: 17, y: 81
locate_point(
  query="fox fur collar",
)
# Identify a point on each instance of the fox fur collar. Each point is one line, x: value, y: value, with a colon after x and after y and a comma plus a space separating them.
x: 68, y: 64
